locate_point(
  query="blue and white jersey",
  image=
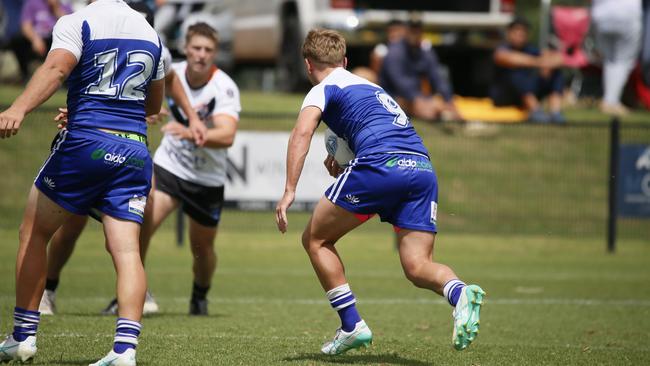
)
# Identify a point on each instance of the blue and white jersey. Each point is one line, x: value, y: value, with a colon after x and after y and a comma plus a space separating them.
x: 119, y: 55
x: 364, y: 115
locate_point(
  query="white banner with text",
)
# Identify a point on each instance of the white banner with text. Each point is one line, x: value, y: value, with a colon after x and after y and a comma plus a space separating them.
x: 257, y: 171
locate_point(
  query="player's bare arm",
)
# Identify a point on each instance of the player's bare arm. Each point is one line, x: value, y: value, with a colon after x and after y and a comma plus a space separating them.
x: 510, y: 58
x: 154, y: 100
x: 175, y: 90
x: 45, y: 82
x: 223, y: 133
x: 296, y: 153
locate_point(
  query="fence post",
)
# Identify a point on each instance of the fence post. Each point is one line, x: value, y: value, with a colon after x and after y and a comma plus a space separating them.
x: 180, y: 226
x: 614, y: 142
x: 544, y: 26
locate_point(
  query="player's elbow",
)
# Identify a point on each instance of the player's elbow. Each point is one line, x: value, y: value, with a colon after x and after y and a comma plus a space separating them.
x: 502, y: 58
x: 302, y: 133
x: 54, y: 72
x: 151, y: 109
x: 229, y: 140
x: 60, y: 74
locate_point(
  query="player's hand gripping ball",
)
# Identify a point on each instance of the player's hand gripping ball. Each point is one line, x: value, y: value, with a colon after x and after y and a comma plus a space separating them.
x: 338, y: 148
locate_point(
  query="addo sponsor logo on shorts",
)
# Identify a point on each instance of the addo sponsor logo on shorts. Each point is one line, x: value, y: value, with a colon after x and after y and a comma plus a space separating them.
x: 408, y: 163
x: 117, y: 159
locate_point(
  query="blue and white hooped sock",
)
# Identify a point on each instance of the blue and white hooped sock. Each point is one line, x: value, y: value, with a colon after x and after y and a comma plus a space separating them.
x: 343, y: 301
x: 25, y: 323
x: 126, y: 335
x: 452, y: 291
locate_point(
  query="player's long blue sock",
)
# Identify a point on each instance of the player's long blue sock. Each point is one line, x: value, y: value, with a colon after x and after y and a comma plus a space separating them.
x: 343, y: 301
x: 452, y: 290
x: 25, y: 323
x: 126, y: 335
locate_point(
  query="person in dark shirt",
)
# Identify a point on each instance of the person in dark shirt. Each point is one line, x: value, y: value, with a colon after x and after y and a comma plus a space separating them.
x: 524, y: 75
x: 407, y: 66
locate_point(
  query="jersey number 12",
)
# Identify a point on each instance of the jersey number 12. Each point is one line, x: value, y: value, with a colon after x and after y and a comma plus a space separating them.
x: 133, y: 86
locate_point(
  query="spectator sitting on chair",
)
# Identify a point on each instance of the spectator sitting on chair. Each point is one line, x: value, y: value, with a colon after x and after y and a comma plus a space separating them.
x: 37, y: 21
x: 406, y: 67
x: 524, y: 75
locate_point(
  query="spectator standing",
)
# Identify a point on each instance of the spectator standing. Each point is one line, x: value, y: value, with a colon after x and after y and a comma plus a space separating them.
x: 406, y: 67
x: 395, y: 32
x: 37, y: 21
x: 617, y: 25
x: 524, y: 75
x: 9, y: 20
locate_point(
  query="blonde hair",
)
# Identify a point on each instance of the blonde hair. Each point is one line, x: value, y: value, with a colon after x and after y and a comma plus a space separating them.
x: 202, y: 29
x: 324, y: 46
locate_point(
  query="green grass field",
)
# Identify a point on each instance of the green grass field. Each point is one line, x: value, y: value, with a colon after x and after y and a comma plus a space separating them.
x: 547, y: 304
x: 522, y: 213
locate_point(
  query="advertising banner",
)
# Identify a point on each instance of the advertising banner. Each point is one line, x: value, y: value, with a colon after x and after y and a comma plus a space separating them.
x: 634, y: 177
x: 257, y: 168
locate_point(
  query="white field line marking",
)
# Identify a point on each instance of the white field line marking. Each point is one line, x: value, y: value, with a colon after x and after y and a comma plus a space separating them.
x: 378, y: 301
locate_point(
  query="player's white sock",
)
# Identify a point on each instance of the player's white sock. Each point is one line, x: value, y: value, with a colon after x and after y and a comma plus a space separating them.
x: 126, y: 335
x: 343, y: 301
x: 25, y: 323
x: 452, y: 290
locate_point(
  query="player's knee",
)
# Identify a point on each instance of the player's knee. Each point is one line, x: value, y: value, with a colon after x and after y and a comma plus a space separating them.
x: 306, y: 238
x: 203, y: 248
x: 313, y: 244
x: 414, y: 272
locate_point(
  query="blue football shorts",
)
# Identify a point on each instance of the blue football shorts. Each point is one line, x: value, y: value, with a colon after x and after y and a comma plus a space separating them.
x: 90, y: 169
x: 401, y: 188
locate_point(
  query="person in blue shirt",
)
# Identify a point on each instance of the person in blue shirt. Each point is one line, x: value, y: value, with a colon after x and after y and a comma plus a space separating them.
x: 408, y: 65
x: 110, y: 58
x: 524, y: 75
x: 391, y: 176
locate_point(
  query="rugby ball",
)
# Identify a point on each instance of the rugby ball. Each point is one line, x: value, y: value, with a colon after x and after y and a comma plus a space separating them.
x: 338, y: 148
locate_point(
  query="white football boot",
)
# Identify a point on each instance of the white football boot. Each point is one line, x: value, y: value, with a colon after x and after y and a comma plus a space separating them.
x: 360, y: 336
x: 150, y: 305
x: 48, y: 303
x: 117, y: 359
x: 12, y: 350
